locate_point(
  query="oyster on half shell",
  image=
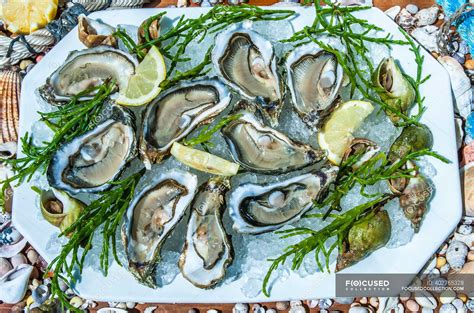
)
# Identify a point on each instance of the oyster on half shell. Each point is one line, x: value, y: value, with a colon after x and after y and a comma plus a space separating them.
x: 207, y: 251
x: 177, y: 112
x: 263, y: 149
x: 84, y: 69
x: 246, y: 61
x: 258, y: 208
x: 150, y: 218
x: 89, y: 162
x: 314, y: 78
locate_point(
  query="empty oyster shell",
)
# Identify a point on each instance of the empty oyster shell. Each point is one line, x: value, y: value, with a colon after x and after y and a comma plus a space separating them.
x: 9, y: 102
x: 60, y: 209
x: 365, y: 236
x: 207, y: 251
x: 257, y: 209
x: 393, y: 88
x: 246, y: 61
x: 87, y: 68
x: 151, y: 217
x: 89, y: 162
x: 177, y: 112
x: 314, y: 78
x: 93, y: 33
x: 263, y: 149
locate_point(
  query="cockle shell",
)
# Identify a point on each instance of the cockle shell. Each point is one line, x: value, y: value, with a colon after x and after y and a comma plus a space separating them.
x: 9, y: 105
x: 460, y: 84
x: 456, y: 254
x: 11, y: 241
x: 13, y: 284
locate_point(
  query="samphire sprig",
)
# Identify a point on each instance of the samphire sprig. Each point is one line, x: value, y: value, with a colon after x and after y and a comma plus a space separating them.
x: 107, y: 211
x: 69, y: 121
x: 316, y: 240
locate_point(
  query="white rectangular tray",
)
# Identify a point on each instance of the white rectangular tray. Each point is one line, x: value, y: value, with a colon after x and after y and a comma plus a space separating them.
x: 119, y: 285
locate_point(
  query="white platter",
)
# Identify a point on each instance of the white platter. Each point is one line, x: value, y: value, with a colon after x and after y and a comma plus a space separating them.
x: 119, y: 285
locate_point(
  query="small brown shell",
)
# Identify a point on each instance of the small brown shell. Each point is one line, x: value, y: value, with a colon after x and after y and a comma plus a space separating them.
x: 9, y: 105
x: 90, y: 36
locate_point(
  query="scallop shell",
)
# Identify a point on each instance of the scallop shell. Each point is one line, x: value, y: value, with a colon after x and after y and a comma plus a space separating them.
x: 9, y: 101
x: 13, y: 284
x: 460, y: 84
x: 456, y: 255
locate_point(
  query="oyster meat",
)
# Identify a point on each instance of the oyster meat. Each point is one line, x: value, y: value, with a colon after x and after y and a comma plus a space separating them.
x: 263, y: 149
x: 89, y: 162
x: 177, y: 112
x: 207, y: 251
x: 314, y: 78
x: 246, y: 61
x: 84, y: 69
x: 257, y: 209
x: 151, y: 217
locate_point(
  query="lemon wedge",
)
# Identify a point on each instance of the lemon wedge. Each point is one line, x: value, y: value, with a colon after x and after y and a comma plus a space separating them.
x: 144, y: 85
x: 203, y: 161
x: 337, y: 132
x: 26, y: 16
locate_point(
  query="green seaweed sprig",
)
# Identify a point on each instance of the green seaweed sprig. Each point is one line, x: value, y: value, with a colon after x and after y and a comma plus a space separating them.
x: 70, y: 120
x: 106, y: 211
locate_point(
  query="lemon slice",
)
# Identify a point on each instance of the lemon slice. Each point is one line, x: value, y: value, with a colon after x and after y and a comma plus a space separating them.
x: 336, y: 134
x: 203, y: 161
x: 26, y: 16
x: 144, y: 85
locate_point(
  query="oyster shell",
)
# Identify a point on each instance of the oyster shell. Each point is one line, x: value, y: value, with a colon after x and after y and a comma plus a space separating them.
x: 246, y: 61
x: 150, y: 218
x: 93, y: 33
x: 207, y: 251
x: 257, y: 209
x: 314, y: 78
x: 365, y: 236
x: 263, y: 149
x: 89, y: 162
x: 88, y: 68
x: 177, y: 112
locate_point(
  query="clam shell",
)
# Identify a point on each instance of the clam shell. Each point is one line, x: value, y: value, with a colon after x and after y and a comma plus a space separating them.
x: 9, y: 105
x: 456, y: 254
x: 13, y: 284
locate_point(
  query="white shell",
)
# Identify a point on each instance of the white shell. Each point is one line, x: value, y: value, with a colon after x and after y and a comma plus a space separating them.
x: 11, y: 241
x: 456, y: 254
x: 427, y: 16
x: 426, y: 300
x: 427, y: 37
x: 240, y: 308
x: 460, y: 84
x: 111, y: 310
x: 447, y: 308
x: 466, y: 239
x: 13, y: 284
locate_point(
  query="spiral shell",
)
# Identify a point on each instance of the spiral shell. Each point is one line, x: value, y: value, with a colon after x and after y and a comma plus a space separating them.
x: 9, y: 102
x: 456, y: 255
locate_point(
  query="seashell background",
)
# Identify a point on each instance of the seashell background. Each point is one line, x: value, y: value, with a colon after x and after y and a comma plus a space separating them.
x: 23, y: 286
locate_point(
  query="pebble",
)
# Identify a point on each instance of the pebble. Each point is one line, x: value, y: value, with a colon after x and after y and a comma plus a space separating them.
x: 271, y: 311
x: 462, y: 297
x: 363, y: 300
x: 24, y: 64
x: 282, y: 305
x: 427, y: 16
x: 359, y: 309
x: 411, y: 305
x: 458, y: 304
x: 468, y: 268
x: 240, y: 308
x: 76, y: 302
x: 465, y: 229
x: 444, y: 249
x: 445, y: 268
x: 470, y: 255
x: 40, y: 294
x: 461, y: 58
x: 29, y: 301
x: 189, y: 311
x: 151, y: 309
x: 447, y: 308
x: 344, y: 300
x: 447, y: 296
x: 405, y: 295
x: 212, y: 311
x: 374, y: 301
x: 131, y: 305
x: 469, y: 64
x: 426, y: 300
x: 39, y: 57
x: 32, y: 256
x: 19, y: 307
x: 440, y: 261
x: 470, y: 305
x: 325, y: 303
x: 5, y: 266
x: 256, y: 308
x: 18, y: 260
x: 412, y: 8
x: 426, y: 310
